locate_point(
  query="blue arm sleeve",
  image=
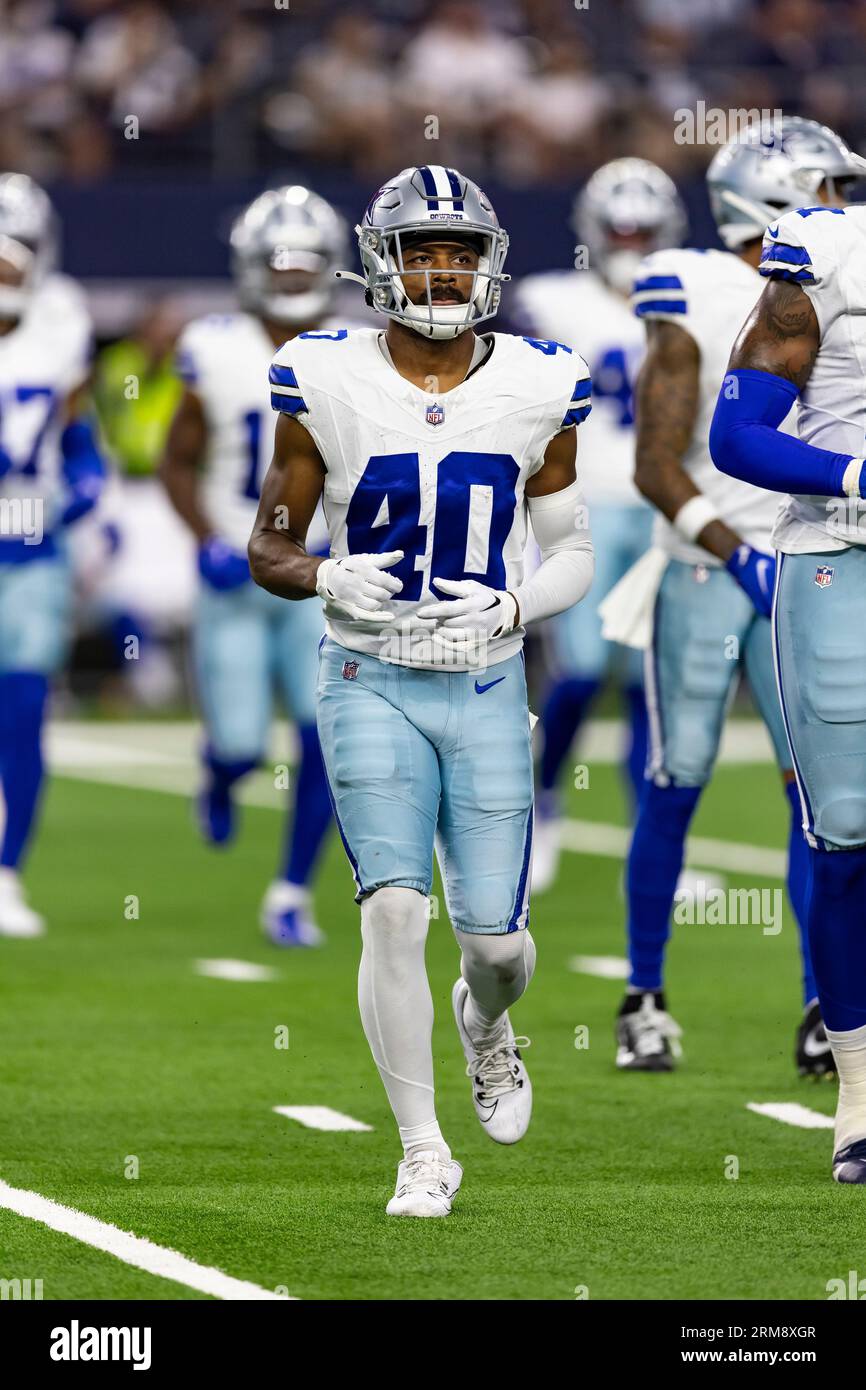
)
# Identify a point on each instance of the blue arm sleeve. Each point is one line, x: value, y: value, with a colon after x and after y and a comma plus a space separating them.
x: 745, y: 441
x: 81, y: 456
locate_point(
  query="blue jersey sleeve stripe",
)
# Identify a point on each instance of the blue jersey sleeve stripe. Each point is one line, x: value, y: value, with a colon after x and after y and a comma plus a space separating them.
x: 781, y: 251
x: 289, y: 405
x: 582, y: 390
x: 659, y: 306
x: 282, y: 376
x: 782, y: 272
x: 576, y: 416
x: 185, y: 367
x: 658, y: 282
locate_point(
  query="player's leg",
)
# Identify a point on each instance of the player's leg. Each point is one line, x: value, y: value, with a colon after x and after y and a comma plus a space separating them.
x: 296, y: 630
x: 234, y: 688
x: 821, y: 659
x: 812, y: 1051
x: 636, y: 533
x: 383, y: 776
x: 690, y: 670
x: 580, y: 658
x: 34, y: 613
x: 485, y: 846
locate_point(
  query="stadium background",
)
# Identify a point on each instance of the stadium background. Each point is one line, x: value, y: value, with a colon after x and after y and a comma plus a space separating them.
x: 115, y: 1048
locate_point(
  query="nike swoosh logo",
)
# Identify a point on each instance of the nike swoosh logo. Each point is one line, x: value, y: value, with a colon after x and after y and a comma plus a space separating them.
x: 813, y: 1047
x: 773, y: 234
x: 480, y: 689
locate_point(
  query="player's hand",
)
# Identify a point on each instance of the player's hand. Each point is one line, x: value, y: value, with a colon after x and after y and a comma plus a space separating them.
x: 220, y: 566
x: 358, y: 585
x: 475, y: 614
x: 755, y: 573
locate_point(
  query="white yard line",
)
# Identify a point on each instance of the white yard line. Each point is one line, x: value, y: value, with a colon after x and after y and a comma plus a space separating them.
x: 605, y: 967
x: 789, y: 1113
x: 322, y: 1117
x: 132, y: 1250
x: 612, y: 842
x: 243, y: 970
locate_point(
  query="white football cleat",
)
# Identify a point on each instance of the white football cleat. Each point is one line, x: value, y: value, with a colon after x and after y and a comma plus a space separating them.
x: 545, y: 853
x: 501, y: 1088
x: 426, y: 1185
x: 287, y: 918
x: 17, y: 918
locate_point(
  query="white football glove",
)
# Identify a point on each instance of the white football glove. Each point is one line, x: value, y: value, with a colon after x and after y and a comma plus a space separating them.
x: 358, y: 585
x: 472, y: 617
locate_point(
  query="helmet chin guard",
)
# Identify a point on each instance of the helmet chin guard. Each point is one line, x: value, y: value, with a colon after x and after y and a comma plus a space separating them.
x: 442, y: 205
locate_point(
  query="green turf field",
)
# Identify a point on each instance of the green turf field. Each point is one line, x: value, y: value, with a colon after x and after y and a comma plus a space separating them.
x: 114, y: 1049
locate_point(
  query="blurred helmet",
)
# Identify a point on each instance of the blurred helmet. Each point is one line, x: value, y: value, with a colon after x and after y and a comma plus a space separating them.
x: 287, y: 229
x: 445, y: 205
x: 773, y: 168
x: 28, y: 238
x: 627, y: 198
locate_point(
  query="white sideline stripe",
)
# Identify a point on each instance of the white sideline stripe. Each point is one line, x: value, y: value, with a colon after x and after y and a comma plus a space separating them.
x: 321, y: 1117
x: 132, y: 1250
x: 246, y: 970
x: 789, y: 1113
x: 612, y: 842
x: 605, y: 967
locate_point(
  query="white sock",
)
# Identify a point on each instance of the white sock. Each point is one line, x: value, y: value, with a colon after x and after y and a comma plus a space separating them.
x: 849, y: 1052
x: 397, y: 1011
x: 497, y: 970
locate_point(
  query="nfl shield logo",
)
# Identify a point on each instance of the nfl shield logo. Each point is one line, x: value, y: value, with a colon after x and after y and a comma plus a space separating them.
x: 350, y: 670
x: 435, y: 414
x: 824, y: 576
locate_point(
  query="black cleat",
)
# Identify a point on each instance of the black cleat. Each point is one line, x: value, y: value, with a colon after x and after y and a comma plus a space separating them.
x: 647, y: 1037
x: 849, y: 1164
x: 813, y: 1054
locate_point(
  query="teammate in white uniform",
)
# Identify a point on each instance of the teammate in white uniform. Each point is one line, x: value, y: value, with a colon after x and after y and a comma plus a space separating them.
x: 50, y: 476
x: 432, y: 447
x: 711, y: 618
x: 285, y: 247
x: 806, y: 339
x: 627, y: 209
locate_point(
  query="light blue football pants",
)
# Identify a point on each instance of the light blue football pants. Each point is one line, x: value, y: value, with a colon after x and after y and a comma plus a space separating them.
x: 35, y: 607
x: 416, y: 758
x: 248, y: 644
x: 707, y: 631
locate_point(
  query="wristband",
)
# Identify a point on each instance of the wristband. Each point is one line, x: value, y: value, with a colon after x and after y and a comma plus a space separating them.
x: 693, y: 516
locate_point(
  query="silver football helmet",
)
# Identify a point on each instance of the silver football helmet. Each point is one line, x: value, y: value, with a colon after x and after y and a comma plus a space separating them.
x: 773, y: 168
x: 28, y: 239
x: 287, y: 229
x: 443, y: 204
x: 627, y: 197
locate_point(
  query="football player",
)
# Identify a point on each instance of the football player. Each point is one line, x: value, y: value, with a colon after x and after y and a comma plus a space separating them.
x: 51, y: 475
x: 627, y: 209
x: 711, y: 617
x: 805, y: 342
x: 432, y: 445
x: 285, y: 249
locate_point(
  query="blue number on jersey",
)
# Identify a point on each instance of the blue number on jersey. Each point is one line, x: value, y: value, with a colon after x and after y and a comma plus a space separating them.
x: 21, y: 395
x: 547, y: 346
x: 385, y: 510
x: 253, y: 429
x: 610, y: 381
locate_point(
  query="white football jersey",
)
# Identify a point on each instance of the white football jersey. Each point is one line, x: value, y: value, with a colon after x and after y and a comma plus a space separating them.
x: 710, y: 294
x: 42, y: 361
x: 576, y: 307
x: 225, y: 359
x: 824, y: 251
x: 440, y: 477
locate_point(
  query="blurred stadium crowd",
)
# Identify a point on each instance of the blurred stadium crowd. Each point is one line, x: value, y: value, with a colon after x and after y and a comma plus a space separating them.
x: 525, y: 91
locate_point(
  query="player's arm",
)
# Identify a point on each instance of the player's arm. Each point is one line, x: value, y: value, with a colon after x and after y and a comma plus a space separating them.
x: 82, y: 465
x: 179, y: 469
x: 666, y: 408
x: 770, y: 365
x: 290, y: 494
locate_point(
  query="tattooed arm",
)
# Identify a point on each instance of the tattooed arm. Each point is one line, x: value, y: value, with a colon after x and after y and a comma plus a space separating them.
x: 780, y: 336
x: 666, y: 403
